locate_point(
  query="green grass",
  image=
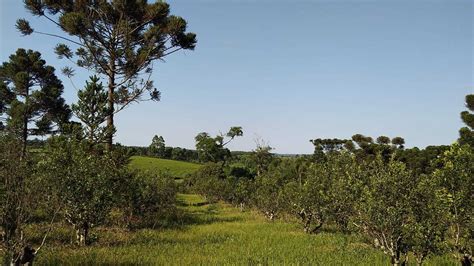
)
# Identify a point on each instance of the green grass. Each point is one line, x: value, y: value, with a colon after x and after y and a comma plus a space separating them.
x: 219, y: 234
x: 177, y: 169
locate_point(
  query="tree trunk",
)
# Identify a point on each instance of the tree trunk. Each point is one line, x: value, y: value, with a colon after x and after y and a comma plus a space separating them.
x: 110, y: 103
x: 395, y: 262
x: 270, y: 215
x: 82, y: 234
x: 24, y: 133
x: 466, y: 260
x: 395, y: 258
x: 419, y: 259
x: 307, y: 225
x: 26, y: 257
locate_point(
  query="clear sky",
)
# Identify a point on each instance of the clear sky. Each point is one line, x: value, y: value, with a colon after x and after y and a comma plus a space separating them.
x: 290, y: 71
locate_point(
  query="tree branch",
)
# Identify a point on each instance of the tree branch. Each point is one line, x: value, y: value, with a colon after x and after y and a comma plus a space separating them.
x: 47, y: 232
x: 60, y: 37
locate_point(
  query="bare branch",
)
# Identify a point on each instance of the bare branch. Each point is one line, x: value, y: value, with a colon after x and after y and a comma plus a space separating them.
x: 47, y: 232
x: 60, y: 37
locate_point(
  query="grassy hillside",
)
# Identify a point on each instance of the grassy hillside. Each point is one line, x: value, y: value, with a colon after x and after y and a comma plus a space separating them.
x: 219, y: 234
x: 178, y: 169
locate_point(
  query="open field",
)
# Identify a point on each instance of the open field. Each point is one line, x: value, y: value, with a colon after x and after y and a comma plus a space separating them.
x: 177, y: 169
x: 219, y: 234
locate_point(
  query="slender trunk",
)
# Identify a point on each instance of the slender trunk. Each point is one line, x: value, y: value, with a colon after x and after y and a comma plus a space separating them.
x: 395, y: 261
x: 316, y: 228
x: 419, y: 259
x: 26, y: 257
x: 24, y: 131
x: 307, y: 224
x: 110, y: 103
x: 24, y: 137
x: 82, y: 234
x: 466, y: 260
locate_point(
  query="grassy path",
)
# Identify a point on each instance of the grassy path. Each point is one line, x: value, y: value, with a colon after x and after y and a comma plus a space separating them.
x: 219, y: 234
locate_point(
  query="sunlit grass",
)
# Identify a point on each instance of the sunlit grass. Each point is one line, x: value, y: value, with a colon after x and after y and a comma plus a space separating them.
x: 219, y: 234
x: 177, y: 169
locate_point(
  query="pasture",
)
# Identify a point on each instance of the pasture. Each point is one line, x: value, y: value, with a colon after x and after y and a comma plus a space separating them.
x: 177, y: 169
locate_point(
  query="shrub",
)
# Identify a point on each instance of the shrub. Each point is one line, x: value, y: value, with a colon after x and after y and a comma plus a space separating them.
x: 152, y: 200
x: 211, y: 181
x: 85, y: 183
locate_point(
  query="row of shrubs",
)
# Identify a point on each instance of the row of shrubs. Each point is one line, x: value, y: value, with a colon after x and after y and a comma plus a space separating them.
x: 72, y: 182
x: 399, y: 210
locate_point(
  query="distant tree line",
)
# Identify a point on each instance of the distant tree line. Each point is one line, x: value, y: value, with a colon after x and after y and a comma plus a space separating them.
x: 208, y: 149
x: 158, y: 149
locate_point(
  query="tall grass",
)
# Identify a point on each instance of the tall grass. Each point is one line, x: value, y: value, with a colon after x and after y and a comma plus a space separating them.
x: 219, y: 234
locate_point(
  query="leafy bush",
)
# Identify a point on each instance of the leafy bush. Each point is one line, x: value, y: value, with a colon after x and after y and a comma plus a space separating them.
x: 152, y: 200
x: 269, y: 197
x: 85, y: 184
x: 211, y: 181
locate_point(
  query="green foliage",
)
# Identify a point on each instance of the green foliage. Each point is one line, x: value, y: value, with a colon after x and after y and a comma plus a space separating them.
x: 362, y: 146
x: 467, y: 133
x: 157, y: 146
x: 346, y: 177
x: 399, y: 142
x: 116, y: 39
x: 219, y: 234
x: 235, y: 132
x: 86, y: 184
x: 261, y: 159
x: 17, y: 200
x: 384, y: 208
x: 92, y: 110
x: 243, y: 190
x: 456, y: 176
x: 31, y: 92
x: 269, y: 198
x: 422, y: 161
x: 383, y: 140
x: 323, y: 192
x: 428, y: 222
x: 213, y: 149
x: 210, y: 181
x: 152, y: 199
x: 323, y: 146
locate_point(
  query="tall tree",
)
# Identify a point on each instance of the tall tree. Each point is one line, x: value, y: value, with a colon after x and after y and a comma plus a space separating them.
x: 467, y: 133
x: 213, y: 149
x: 31, y: 101
x: 399, y: 142
x: 118, y: 39
x: 92, y: 110
x: 157, y: 146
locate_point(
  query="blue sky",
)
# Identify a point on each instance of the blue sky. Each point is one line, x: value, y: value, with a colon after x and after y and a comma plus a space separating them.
x: 289, y: 71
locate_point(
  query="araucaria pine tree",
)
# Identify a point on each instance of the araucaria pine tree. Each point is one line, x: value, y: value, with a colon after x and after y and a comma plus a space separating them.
x: 467, y: 133
x: 31, y: 102
x: 92, y: 110
x: 119, y: 40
